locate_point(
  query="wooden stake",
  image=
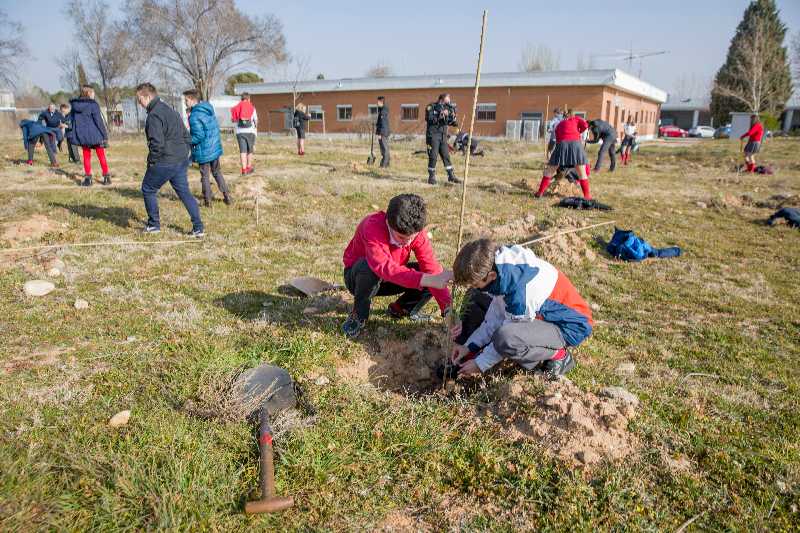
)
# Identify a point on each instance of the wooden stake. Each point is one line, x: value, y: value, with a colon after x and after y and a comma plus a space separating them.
x: 546, y: 109
x: 258, y: 195
x: 82, y: 244
x: 566, y: 232
x: 449, y: 322
x: 471, y: 131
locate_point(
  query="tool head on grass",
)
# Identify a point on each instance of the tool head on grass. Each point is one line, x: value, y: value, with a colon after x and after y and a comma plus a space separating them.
x: 265, y: 386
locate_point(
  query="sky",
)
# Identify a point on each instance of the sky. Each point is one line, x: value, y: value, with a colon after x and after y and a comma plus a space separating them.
x: 344, y: 38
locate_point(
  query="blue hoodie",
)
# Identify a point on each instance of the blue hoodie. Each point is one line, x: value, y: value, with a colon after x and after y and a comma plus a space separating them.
x: 31, y: 130
x: 203, y: 126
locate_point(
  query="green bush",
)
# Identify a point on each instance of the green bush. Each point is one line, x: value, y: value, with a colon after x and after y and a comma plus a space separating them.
x: 770, y: 122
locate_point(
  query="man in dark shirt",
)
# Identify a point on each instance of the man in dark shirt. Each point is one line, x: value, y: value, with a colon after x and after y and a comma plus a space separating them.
x: 169, y: 145
x: 603, y: 131
x: 52, y: 118
x: 382, y: 131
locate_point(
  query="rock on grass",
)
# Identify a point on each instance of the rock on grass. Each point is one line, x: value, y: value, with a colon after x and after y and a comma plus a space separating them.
x: 38, y: 287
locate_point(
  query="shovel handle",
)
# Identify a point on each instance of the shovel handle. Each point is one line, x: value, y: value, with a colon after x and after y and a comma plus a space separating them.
x: 265, y: 456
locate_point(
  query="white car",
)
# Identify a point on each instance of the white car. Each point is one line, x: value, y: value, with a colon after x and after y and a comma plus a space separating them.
x: 705, y: 132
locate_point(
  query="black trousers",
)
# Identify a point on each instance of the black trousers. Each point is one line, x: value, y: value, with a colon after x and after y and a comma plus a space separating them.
x: 214, y: 168
x: 383, y: 142
x: 364, y: 285
x: 437, y: 146
x: 49, y: 145
x: 609, y: 145
x: 74, y: 152
x: 476, y: 305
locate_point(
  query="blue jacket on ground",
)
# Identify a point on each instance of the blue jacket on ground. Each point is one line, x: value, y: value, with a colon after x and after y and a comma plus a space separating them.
x: 628, y: 246
x: 203, y: 126
x: 88, y: 128
x: 31, y: 130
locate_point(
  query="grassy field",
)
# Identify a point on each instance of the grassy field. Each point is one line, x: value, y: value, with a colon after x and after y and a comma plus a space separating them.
x: 714, y: 336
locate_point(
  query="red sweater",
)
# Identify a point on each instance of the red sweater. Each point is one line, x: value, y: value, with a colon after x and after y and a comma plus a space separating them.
x: 371, y: 241
x: 242, y: 110
x: 570, y: 129
x: 756, y: 132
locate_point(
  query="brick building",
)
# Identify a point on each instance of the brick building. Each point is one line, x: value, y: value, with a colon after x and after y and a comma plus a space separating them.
x: 345, y: 105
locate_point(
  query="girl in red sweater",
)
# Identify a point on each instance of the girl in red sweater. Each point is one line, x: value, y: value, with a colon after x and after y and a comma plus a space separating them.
x: 753, y: 146
x: 568, y: 153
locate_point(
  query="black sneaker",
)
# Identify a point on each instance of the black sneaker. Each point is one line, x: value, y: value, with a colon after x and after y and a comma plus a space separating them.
x: 352, y: 327
x: 396, y: 311
x: 87, y: 181
x: 107, y: 179
x: 554, y: 369
x: 431, y: 178
x: 451, y: 177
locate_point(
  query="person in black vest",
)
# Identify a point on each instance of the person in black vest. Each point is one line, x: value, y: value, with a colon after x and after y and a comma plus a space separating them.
x: 169, y: 145
x: 382, y: 131
x: 439, y: 116
x: 603, y: 131
x: 52, y: 118
x: 300, y: 123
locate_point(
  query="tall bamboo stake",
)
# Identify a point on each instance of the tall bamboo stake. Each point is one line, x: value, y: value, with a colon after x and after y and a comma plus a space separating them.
x: 451, y: 319
x: 546, y: 109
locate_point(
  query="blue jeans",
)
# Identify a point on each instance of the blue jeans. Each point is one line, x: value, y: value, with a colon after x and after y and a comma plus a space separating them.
x: 155, y: 178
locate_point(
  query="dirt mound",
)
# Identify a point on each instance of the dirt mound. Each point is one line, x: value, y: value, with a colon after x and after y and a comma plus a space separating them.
x: 778, y: 201
x: 400, y: 365
x: 570, y: 249
x: 576, y: 426
x: 728, y: 200
x: 32, y: 228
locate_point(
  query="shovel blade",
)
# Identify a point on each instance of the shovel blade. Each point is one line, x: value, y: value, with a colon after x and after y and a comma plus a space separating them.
x: 270, y: 385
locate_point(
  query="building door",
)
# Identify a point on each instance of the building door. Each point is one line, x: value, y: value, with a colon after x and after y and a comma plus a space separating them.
x: 530, y: 115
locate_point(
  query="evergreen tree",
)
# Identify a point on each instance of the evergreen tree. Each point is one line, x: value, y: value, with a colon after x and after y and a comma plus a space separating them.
x: 242, y: 77
x: 756, y: 76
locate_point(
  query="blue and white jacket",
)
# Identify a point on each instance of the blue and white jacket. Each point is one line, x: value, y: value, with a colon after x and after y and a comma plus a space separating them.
x: 528, y: 288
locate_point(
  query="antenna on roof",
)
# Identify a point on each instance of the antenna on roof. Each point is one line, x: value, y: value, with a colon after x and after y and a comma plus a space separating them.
x: 630, y: 56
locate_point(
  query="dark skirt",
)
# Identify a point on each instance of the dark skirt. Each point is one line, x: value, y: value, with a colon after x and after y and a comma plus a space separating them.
x: 568, y: 154
x: 752, y: 147
x: 301, y: 133
x: 627, y: 141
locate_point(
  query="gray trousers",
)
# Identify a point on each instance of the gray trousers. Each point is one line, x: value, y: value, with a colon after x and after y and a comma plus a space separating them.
x: 525, y: 343
x: 383, y: 142
x: 609, y: 146
x: 528, y: 343
x: 214, y: 168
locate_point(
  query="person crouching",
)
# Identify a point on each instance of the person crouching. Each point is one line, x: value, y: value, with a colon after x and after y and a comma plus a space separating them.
x: 376, y: 263
x: 520, y: 307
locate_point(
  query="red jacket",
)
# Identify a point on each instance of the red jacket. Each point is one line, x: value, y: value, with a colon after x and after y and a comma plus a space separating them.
x: 570, y: 129
x: 756, y: 132
x: 388, y: 262
x: 242, y: 110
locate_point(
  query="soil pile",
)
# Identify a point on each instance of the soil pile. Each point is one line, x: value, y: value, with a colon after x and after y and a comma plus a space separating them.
x: 576, y: 426
x: 32, y: 228
x: 728, y: 201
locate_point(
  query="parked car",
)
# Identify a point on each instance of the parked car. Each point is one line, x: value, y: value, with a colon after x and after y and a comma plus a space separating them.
x: 704, y: 132
x: 723, y: 132
x: 672, y: 131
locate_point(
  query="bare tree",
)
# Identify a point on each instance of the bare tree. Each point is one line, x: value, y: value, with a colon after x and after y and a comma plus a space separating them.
x: 584, y: 62
x: 12, y: 49
x: 70, y: 64
x: 295, y: 71
x: 379, y: 70
x: 536, y: 58
x: 796, y: 54
x: 751, y: 85
x: 203, y: 41
x: 107, y: 44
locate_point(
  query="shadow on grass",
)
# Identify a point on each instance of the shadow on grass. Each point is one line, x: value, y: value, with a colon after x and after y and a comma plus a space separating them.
x: 119, y: 216
x: 259, y: 305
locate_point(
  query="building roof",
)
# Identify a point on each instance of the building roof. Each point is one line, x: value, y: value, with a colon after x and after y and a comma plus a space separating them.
x: 688, y: 104
x: 558, y: 78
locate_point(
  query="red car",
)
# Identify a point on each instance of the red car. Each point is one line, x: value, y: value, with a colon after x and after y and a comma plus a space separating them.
x: 672, y: 131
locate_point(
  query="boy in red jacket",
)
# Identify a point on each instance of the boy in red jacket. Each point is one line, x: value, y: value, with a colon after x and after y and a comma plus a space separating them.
x: 753, y: 146
x: 376, y: 264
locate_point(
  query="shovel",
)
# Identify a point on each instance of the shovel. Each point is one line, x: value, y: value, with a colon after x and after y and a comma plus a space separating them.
x: 273, y: 387
x: 371, y: 158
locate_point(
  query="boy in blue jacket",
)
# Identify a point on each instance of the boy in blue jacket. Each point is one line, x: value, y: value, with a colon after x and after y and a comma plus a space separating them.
x: 32, y: 133
x: 206, y: 145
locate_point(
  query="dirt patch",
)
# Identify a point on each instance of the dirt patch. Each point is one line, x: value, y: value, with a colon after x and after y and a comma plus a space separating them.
x: 44, y: 357
x: 570, y: 249
x: 400, y: 365
x: 778, y: 201
x: 575, y: 426
x: 728, y: 201
x: 401, y: 521
x: 32, y: 228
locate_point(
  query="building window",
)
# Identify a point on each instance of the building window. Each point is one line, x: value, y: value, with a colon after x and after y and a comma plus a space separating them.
x: 409, y: 112
x: 581, y: 114
x: 636, y: 118
x: 608, y: 111
x: 344, y: 112
x: 316, y: 113
x: 486, y: 113
x: 373, y: 110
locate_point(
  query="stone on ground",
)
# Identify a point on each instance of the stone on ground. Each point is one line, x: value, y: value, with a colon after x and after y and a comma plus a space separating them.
x: 120, y: 419
x: 38, y: 287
